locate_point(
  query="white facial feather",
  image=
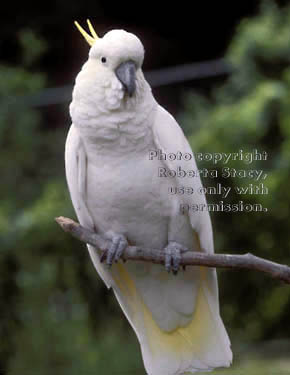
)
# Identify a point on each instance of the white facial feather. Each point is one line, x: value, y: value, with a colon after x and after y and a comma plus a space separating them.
x: 97, y: 90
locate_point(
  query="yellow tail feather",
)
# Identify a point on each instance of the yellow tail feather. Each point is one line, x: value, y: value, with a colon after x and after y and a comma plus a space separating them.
x: 197, y: 346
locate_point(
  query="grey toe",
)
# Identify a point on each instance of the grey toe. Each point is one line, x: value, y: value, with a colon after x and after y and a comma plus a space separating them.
x: 116, y: 249
x: 120, y: 250
x: 112, y: 251
x: 173, y: 256
x: 176, y: 258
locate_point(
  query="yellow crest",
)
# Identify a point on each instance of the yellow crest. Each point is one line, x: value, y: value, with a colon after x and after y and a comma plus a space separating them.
x: 89, y: 38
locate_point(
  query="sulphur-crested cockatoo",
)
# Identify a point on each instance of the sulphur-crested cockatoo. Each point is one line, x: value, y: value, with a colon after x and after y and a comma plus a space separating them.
x: 117, y: 190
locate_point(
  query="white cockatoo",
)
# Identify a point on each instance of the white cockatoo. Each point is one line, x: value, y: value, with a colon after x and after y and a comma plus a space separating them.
x: 117, y: 190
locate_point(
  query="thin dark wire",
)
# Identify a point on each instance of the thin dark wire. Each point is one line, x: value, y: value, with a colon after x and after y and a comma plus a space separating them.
x: 156, y: 78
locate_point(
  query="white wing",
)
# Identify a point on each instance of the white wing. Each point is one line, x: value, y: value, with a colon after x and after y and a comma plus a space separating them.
x: 169, y: 137
x: 76, y: 175
x: 75, y: 168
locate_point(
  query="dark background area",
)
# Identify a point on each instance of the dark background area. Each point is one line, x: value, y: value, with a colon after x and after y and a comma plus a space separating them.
x: 172, y: 34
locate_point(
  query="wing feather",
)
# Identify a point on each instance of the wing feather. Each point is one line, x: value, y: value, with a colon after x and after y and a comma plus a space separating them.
x: 169, y: 138
x: 76, y: 175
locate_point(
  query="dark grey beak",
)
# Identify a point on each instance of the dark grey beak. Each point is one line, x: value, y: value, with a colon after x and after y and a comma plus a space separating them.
x: 126, y: 73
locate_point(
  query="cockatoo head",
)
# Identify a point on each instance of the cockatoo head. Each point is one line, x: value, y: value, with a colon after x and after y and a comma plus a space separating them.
x: 110, y: 90
x: 117, y: 55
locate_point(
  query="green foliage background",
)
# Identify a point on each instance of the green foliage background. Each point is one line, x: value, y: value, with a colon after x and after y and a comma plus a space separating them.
x: 56, y: 315
x: 251, y: 111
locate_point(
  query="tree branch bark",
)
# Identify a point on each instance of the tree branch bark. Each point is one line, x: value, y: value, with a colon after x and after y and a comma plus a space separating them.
x: 190, y: 258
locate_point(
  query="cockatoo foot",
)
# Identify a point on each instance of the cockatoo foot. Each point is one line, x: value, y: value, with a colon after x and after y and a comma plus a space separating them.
x: 116, y: 249
x: 173, y: 256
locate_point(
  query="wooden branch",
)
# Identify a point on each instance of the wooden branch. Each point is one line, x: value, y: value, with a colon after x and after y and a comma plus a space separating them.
x: 190, y: 258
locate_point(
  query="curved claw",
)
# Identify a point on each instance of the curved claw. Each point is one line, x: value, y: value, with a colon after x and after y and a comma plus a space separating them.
x: 103, y: 256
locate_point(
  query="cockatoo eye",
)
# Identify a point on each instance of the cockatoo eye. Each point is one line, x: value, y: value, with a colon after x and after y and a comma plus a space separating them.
x: 104, y: 60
